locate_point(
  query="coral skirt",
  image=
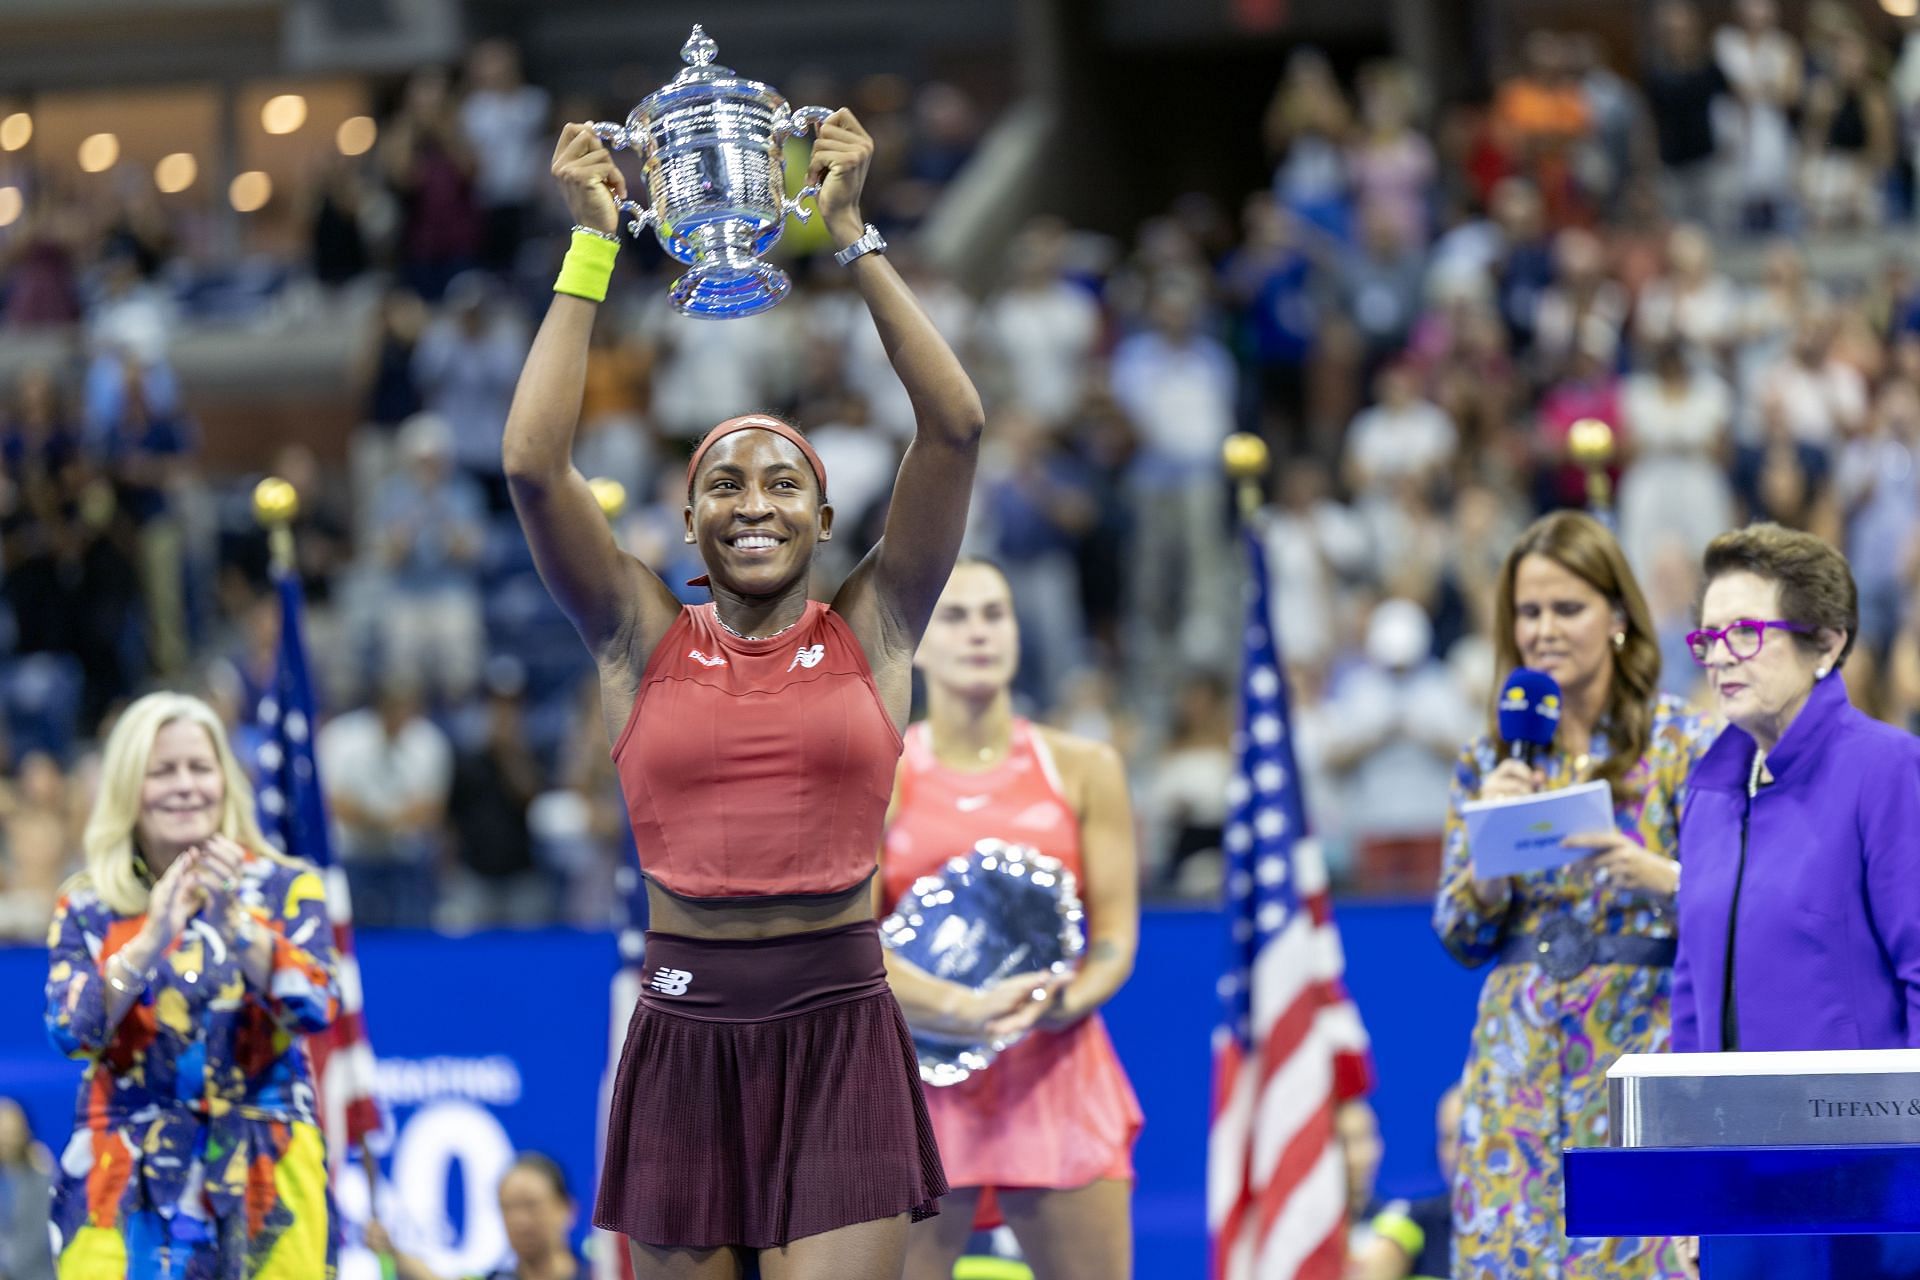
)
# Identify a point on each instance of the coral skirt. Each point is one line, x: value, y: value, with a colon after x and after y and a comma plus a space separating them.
x: 1054, y: 1111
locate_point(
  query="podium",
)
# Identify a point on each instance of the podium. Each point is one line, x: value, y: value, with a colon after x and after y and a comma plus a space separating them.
x: 1788, y: 1166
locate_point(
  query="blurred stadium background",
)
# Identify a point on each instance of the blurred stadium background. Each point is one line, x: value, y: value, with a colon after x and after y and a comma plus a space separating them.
x: 1409, y: 242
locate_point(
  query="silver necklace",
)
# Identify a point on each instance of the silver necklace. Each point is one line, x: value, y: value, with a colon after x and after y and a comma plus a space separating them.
x: 741, y: 635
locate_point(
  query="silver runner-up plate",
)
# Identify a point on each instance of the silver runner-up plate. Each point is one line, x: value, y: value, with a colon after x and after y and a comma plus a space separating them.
x: 1000, y: 910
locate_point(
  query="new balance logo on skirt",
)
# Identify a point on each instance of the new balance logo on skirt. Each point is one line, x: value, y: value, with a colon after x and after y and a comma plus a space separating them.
x: 671, y: 982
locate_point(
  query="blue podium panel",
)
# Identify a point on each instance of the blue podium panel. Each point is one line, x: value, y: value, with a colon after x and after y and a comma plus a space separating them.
x: 1743, y: 1191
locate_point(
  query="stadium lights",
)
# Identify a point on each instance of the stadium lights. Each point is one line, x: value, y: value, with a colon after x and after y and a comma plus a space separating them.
x: 356, y: 135
x: 16, y: 131
x: 98, y: 152
x: 11, y: 204
x: 1901, y: 8
x: 250, y: 191
x: 175, y: 173
x: 284, y: 113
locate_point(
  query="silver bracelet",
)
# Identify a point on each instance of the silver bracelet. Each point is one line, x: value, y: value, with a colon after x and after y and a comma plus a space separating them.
x: 595, y: 231
x: 116, y: 959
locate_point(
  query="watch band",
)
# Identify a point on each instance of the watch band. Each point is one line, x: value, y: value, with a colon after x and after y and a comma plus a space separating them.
x: 871, y: 242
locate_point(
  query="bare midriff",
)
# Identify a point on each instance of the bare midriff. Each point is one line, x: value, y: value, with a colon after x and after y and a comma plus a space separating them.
x: 773, y: 919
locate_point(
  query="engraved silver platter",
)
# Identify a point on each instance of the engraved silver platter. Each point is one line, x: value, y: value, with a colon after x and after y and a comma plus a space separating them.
x: 1001, y: 909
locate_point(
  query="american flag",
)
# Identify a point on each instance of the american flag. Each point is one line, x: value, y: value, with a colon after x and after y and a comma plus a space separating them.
x: 1291, y: 1047
x: 293, y: 814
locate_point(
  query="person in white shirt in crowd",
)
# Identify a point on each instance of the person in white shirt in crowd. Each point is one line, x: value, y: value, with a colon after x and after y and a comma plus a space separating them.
x: 1877, y: 484
x: 1314, y: 543
x: 1764, y: 67
x: 706, y: 373
x: 388, y: 771
x: 504, y: 120
x: 862, y: 457
x: 1820, y: 397
x: 1692, y: 303
x: 838, y: 321
x: 1401, y: 437
x: 428, y: 529
x: 1583, y: 298
x: 1678, y: 419
x: 1041, y: 329
x: 1180, y: 387
x: 1396, y: 723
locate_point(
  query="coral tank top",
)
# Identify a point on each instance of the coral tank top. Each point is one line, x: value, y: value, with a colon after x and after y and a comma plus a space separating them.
x: 943, y: 811
x: 757, y: 768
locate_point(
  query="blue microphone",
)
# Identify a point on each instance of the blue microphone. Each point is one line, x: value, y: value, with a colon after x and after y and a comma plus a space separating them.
x: 1529, y: 713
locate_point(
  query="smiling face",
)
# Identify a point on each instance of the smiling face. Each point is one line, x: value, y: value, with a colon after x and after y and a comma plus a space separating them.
x: 755, y: 513
x: 1763, y: 693
x: 972, y: 644
x: 184, y: 791
x: 1563, y: 626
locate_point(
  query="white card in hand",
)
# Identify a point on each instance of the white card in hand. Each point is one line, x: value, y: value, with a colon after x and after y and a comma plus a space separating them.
x: 1510, y: 837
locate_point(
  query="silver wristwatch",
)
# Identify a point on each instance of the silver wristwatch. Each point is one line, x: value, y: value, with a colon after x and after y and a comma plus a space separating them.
x: 871, y: 242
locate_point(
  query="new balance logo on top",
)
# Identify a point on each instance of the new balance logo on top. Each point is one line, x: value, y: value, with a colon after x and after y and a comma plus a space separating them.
x: 671, y: 982
x: 705, y: 660
x: 967, y: 804
x: 808, y: 656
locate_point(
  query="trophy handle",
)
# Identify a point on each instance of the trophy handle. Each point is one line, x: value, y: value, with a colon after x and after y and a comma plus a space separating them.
x: 642, y: 216
x: 797, y: 122
x: 801, y: 119
x: 617, y: 136
x: 798, y: 210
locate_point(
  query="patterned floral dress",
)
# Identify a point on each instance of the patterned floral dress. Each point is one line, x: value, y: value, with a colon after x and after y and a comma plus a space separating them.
x: 1535, y: 1078
x: 195, y: 1154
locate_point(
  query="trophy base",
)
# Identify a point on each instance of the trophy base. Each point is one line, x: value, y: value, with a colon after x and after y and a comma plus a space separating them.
x: 724, y: 293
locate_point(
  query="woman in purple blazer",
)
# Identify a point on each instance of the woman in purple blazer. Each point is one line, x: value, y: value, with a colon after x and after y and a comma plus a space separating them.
x: 1800, y: 841
x: 1799, y: 896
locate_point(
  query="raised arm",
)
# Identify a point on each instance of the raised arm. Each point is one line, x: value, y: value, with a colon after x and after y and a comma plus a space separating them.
x: 889, y: 597
x: 618, y: 605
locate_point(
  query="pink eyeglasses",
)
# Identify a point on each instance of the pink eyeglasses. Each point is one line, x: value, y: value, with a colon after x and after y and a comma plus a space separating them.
x: 1744, y: 636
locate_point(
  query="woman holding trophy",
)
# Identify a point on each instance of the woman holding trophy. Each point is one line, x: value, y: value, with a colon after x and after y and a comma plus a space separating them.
x: 1043, y: 1138
x: 767, y: 1101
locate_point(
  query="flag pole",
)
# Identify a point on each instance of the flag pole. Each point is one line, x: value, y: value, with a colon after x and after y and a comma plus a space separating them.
x: 1246, y: 459
x: 1591, y: 443
x: 276, y: 503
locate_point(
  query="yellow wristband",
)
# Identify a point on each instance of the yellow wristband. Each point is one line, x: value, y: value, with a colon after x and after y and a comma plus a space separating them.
x: 588, y: 267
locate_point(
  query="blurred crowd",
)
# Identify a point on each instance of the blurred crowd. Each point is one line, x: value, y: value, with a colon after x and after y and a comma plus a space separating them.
x: 1414, y: 313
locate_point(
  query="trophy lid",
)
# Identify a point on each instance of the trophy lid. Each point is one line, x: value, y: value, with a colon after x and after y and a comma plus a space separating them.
x: 703, y: 80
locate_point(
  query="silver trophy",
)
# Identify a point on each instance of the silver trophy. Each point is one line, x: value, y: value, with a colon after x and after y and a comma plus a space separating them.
x: 713, y: 149
x: 1000, y: 910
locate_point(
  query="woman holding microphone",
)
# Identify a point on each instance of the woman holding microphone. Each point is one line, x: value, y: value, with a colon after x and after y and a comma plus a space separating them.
x: 1800, y: 915
x: 1582, y: 954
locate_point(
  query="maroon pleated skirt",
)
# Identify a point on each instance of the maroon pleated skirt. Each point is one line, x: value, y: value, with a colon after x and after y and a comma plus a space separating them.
x: 768, y: 1091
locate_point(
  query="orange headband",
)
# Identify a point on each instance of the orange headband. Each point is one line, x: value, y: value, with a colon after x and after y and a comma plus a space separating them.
x: 753, y: 422
x: 757, y: 422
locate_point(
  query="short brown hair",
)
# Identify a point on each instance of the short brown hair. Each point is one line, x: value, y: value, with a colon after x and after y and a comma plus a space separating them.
x: 1816, y: 583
